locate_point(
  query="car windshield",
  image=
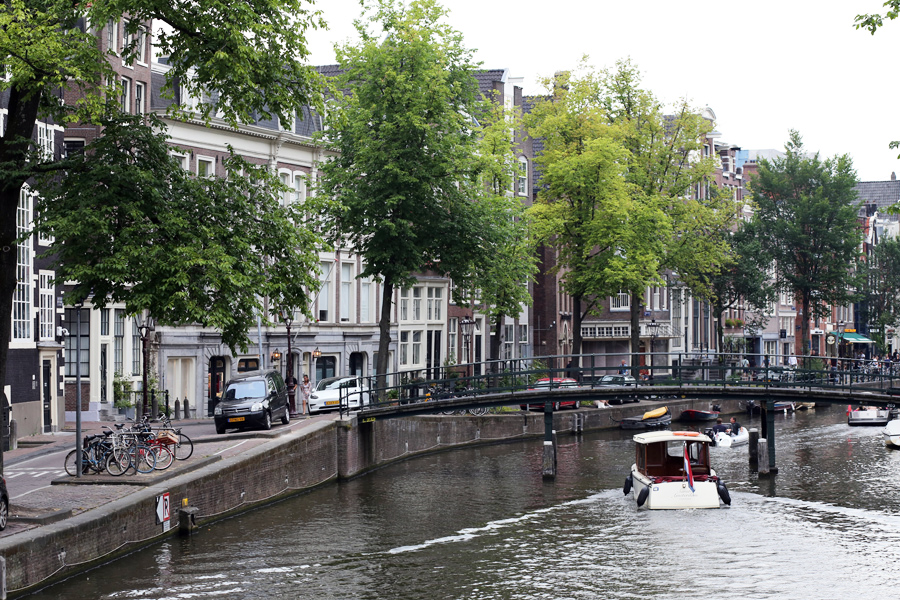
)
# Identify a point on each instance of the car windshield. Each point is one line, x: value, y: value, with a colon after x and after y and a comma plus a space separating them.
x: 610, y: 378
x: 245, y: 389
x: 331, y: 383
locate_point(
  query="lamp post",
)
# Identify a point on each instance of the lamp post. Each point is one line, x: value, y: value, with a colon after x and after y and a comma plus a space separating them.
x: 466, y: 325
x: 79, y: 450
x: 653, y: 327
x: 289, y: 374
x: 146, y: 324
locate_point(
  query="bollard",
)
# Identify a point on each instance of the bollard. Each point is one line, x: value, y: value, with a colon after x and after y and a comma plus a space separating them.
x: 549, y: 461
x: 754, y: 448
x: 177, y: 414
x: 13, y: 434
x: 763, y: 446
x: 2, y: 578
x: 187, y: 520
x: 187, y: 409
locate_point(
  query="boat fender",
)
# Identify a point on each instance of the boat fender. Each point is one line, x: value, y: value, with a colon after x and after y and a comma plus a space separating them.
x: 642, y: 497
x: 628, y: 483
x: 723, y: 493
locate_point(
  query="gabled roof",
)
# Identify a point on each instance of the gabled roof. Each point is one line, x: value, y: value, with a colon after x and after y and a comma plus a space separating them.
x: 880, y: 193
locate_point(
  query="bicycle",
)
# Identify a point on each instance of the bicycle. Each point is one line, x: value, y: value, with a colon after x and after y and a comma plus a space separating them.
x: 94, y: 451
x: 130, y: 451
x: 184, y: 447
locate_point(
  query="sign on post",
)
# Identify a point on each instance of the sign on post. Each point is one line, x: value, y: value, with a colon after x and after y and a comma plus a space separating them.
x: 163, y: 509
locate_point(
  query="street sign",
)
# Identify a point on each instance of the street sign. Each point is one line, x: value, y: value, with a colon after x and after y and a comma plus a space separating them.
x: 163, y: 509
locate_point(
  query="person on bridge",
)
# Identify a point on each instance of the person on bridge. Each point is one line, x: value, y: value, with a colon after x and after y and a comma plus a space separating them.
x: 623, y: 369
x: 735, y: 427
x: 720, y: 427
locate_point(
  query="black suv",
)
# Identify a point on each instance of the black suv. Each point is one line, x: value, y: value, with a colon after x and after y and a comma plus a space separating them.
x: 253, y: 399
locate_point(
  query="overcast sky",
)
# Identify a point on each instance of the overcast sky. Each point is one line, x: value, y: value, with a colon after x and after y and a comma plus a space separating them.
x: 764, y: 67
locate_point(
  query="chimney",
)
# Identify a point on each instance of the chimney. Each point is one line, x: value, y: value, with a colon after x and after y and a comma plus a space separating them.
x: 893, y: 176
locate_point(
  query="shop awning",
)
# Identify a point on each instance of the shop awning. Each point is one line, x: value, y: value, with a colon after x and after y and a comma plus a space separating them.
x: 855, y: 338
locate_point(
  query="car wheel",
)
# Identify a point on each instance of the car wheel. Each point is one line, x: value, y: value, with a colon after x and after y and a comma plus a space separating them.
x: 220, y: 429
x: 286, y: 417
x: 267, y: 421
x: 556, y: 406
x: 4, y: 512
x: 578, y: 404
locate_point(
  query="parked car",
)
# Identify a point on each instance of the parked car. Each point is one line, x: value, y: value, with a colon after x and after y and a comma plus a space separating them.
x: 253, y: 399
x: 331, y: 391
x: 553, y: 384
x: 618, y: 380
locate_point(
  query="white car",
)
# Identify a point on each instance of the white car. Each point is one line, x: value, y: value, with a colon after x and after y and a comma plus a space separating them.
x: 331, y: 391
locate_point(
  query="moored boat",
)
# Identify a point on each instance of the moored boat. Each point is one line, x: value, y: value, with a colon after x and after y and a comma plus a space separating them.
x: 671, y: 470
x: 652, y: 419
x: 891, y: 434
x: 693, y: 414
x: 868, y: 415
x: 727, y: 440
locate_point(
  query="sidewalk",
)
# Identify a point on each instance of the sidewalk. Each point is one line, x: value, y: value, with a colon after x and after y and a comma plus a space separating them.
x: 62, y: 496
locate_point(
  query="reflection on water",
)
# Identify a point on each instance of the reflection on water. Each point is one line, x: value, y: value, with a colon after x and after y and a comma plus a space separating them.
x: 482, y: 523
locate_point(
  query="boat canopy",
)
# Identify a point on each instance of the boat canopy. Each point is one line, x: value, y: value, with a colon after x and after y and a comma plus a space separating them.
x: 652, y: 437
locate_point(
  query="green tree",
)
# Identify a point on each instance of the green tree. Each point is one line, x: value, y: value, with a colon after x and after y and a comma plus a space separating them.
x: 583, y: 210
x: 806, y: 220
x: 882, y: 281
x: 403, y: 190
x: 679, y: 230
x: 250, y: 54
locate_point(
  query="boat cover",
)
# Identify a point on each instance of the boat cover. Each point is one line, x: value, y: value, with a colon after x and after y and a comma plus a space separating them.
x: 655, y: 414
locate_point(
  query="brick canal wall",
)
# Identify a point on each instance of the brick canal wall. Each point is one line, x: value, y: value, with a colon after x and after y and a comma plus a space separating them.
x: 286, y: 466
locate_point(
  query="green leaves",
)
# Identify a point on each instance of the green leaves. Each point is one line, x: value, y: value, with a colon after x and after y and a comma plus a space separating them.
x: 132, y: 226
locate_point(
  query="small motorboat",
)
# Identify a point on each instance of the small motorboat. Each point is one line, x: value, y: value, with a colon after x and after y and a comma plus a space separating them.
x: 652, y: 419
x: 671, y: 470
x: 868, y: 415
x: 891, y: 433
x: 785, y: 407
x: 693, y: 414
x: 727, y: 440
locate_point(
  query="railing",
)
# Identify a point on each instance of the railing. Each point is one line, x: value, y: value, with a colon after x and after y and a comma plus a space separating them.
x: 681, y: 370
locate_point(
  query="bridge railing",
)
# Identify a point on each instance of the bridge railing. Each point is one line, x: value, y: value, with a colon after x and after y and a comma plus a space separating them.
x: 658, y: 369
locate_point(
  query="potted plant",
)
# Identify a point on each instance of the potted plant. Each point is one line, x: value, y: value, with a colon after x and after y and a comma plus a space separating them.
x: 122, y: 393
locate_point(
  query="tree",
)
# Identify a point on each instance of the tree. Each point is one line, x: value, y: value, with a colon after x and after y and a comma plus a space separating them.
x: 583, y: 209
x: 403, y: 190
x: 882, y: 281
x: 806, y: 220
x: 250, y: 55
x: 873, y: 22
x: 680, y: 229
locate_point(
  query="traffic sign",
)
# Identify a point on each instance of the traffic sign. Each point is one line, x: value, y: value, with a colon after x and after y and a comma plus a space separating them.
x: 163, y: 508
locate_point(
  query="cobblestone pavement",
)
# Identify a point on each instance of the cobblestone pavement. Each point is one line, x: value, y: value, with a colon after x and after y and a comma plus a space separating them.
x: 59, y: 496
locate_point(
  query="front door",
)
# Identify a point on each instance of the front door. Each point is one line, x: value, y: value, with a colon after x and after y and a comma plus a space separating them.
x: 46, y: 396
x: 216, y: 382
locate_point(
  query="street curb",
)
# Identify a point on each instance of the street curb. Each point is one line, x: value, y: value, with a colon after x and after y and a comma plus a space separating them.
x: 144, y: 481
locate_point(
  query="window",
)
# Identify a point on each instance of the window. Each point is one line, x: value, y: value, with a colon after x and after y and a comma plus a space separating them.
x: 509, y: 342
x: 404, y: 347
x: 299, y: 187
x: 141, y: 49
x: 324, y: 291
x: 136, y: 349
x: 346, y: 290
x: 522, y: 179
x: 205, y: 166
x: 119, y: 341
x: 416, y: 347
x: 452, y: 325
x: 417, y: 304
x: 404, y: 304
x: 621, y: 301
x: 139, y: 98
x: 126, y: 95
x: 75, y: 363
x: 246, y: 365
x: 73, y: 147
x: 47, y: 319
x: 435, y: 305
x: 21, y: 323
x: 112, y: 36
x: 45, y: 145
x: 523, y: 341
x: 182, y: 161
x: 104, y: 321
x: 365, y: 294
x: 286, y: 193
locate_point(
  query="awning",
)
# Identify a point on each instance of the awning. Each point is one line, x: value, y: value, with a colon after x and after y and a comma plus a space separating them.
x: 855, y: 338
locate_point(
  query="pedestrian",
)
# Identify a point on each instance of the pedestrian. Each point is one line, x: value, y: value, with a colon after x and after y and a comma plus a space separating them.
x: 745, y: 365
x: 623, y: 369
x: 305, y: 391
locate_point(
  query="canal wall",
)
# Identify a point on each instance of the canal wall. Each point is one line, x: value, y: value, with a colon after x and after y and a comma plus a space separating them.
x: 293, y: 463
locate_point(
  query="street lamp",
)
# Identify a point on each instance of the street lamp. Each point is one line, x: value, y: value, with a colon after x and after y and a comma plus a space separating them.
x: 317, y: 353
x: 466, y: 326
x: 653, y: 327
x: 146, y: 324
x: 79, y: 450
x: 286, y: 317
x: 276, y: 355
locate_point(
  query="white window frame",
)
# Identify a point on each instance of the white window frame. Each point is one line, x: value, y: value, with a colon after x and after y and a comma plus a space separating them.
x: 324, y: 298
x: 522, y: 177
x: 207, y: 160
x: 452, y: 329
x: 346, y: 291
x: 126, y: 95
x: 139, y: 98
x: 365, y: 301
x: 621, y: 302
x: 22, y: 315
x: 112, y: 36
x: 46, y: 306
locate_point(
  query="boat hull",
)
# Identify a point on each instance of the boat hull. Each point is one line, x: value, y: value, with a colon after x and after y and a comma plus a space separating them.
x: 891, y: 434
x: 640, y: 423
x: 869, y: 417
x: 698, y: 415
x: 726, y: 440
x: 674, y: 495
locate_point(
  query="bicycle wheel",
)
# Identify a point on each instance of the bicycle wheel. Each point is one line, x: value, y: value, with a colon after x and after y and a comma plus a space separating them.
x: 118, y: 461
x: 164, y: 457
x: 144, y: 459
x: 184, y: 448
x: 71, y: 467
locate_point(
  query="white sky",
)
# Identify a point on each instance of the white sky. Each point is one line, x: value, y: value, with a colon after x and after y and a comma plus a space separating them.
x: 764, y: 67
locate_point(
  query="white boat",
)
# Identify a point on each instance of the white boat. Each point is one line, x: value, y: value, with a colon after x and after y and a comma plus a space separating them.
x: 891, y: 433
x: 727, y: 440
x: 671, y: 470
x: 868, y: 416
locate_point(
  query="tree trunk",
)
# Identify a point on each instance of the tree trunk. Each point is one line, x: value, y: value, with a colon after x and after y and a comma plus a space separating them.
x: 494, y: 351
x: 804, y: 326
x: 384, y: 338
x: 576, y: 325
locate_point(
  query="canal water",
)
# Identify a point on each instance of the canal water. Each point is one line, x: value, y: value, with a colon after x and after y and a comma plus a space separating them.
x: 482, y: 524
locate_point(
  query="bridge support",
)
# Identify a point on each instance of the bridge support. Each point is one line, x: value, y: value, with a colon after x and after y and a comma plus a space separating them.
x: 754, y: 449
